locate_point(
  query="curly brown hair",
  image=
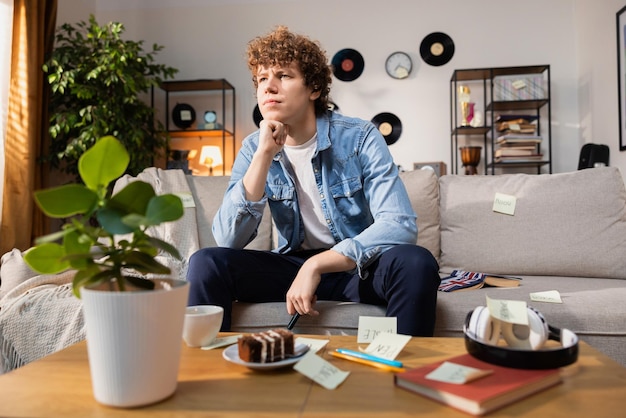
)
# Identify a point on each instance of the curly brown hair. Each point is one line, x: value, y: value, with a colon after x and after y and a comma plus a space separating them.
x: 282, y: 47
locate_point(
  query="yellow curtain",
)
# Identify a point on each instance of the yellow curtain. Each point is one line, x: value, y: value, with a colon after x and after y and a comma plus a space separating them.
x: 34, y: 23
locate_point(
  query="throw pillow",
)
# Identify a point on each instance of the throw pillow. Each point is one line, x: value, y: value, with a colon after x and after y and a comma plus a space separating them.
x: 14, y: 271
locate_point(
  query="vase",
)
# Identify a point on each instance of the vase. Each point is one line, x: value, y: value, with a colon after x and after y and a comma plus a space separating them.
x: 134, y: 340
x: 470, y: 157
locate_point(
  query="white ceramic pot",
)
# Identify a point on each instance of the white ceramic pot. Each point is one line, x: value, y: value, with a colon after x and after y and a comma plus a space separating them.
x: 134, y: 340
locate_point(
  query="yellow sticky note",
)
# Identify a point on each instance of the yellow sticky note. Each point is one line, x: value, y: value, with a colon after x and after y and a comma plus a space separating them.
x: 320, y: 371
x: 387, y: 345
x: 371, y: 326
x: 550, y: 296
x: 504, y: 203
x: 513, y: 311
x: 187, y: 199
x: 315, y: 344
x: 456, y: 373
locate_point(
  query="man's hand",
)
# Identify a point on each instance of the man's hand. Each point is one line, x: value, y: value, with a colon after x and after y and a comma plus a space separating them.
x: 272, y: 138
x: 301, y: 296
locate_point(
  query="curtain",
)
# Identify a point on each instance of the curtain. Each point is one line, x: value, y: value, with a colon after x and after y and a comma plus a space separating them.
x: 33, y: 37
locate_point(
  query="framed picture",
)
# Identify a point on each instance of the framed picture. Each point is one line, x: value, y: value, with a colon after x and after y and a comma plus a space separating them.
x: 621, y: 75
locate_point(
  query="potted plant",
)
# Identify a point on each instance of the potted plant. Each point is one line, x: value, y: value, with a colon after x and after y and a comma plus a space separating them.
x: 97, y: 82
x: 133, y: 324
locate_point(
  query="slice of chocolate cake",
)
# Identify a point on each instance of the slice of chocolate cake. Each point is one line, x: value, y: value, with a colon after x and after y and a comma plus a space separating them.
x: 266, y: 347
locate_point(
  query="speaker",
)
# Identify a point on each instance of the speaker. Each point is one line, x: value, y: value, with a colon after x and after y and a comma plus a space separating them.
x: 592, y: 155
x: 525, y: 343
x: 439, y: 167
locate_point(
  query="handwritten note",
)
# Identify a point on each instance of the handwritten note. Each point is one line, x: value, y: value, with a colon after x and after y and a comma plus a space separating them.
x: 187, y: 199
x: 320, y: 371
x: 513, y: 311
x: 314, y: 344
x: 222, y: 341
x: 387, y: 345
x: 371, y: 326
x: 456, y: 373
x: 504, y: 203
x: 550, y: 296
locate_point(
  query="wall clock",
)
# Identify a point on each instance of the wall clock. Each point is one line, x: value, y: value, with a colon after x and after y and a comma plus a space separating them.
x: 210, y: 116
x: 399, y: 65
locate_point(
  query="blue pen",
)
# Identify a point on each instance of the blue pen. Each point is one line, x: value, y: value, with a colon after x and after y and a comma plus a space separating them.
x: 370, y: 357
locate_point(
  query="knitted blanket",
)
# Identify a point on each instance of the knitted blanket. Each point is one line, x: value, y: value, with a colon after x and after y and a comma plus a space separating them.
x: 40, y: 315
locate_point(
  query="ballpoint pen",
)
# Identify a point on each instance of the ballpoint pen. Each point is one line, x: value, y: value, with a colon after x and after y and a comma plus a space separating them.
x: 370, y: 357
x: 293, y: 321
x: 366, y: 362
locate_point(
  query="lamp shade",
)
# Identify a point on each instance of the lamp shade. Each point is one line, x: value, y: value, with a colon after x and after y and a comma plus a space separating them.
x: 211, y: 156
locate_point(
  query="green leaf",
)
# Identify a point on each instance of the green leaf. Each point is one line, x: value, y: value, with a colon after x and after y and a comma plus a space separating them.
x: 164, y: 208
x: 76, y: 244
x: 47, y: 258
x: 133, y: 198
x: 112, y: 220
x: 162, y: 245
x: 91, y: 276
x: 144, y: 263
x: 103, y: 163
x: 67, y: 200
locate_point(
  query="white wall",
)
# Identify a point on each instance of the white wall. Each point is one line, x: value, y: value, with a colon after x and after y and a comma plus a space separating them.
x: 207, y: 39
x: 597, y: 78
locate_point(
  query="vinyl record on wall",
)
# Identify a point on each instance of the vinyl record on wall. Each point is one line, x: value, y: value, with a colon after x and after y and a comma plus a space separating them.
x: 437, y: 49
x: 347, y: 64
x: 389, y: 125
x: 183, y: 115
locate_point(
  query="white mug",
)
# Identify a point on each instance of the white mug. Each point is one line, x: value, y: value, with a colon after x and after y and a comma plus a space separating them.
x: 202, y: 323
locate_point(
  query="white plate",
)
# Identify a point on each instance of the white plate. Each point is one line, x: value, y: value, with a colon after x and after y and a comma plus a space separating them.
x: 232, y: 354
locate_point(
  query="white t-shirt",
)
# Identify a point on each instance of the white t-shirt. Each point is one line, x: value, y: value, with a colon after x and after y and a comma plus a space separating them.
x: 316, y: 232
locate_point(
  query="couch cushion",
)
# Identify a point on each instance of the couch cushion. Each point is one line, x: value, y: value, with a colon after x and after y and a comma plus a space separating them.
x: 567, y: 224
x: 593, y: 308
x: 208, y: 192
x: 423, y: 189
x: 335, y: 318
x: 14, y: 271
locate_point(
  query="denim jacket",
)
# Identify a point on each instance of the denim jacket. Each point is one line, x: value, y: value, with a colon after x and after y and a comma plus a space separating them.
x: 365, y: 203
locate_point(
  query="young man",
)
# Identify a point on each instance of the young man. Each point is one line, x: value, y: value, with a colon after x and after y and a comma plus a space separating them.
x: 346, y: 229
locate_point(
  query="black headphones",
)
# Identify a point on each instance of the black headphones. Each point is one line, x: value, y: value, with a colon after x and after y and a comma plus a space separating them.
x: 525, y: 342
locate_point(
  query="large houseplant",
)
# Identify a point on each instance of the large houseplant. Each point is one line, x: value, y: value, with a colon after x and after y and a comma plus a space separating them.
x: 98, y: 86
x: 134, y: 330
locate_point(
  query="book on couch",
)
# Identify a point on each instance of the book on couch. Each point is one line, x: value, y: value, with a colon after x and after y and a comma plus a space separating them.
x: 468, y: 280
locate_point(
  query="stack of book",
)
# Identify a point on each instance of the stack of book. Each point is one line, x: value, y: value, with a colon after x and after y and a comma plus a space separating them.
x: 517, y: 139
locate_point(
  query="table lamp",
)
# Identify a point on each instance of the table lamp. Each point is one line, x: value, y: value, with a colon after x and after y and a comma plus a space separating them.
x: 211, y: 156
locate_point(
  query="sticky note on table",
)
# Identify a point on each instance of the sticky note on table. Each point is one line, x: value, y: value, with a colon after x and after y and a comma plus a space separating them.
x: 315, y: 344
x: 387, y: 345
x: 371, y: 326
x: 320, y: 371
x: 456, y: 373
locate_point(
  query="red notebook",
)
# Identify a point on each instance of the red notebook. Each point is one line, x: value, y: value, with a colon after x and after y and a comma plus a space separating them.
x: 478, y: 397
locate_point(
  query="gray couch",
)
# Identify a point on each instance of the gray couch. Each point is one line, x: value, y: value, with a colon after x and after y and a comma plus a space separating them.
x: 568, y: 233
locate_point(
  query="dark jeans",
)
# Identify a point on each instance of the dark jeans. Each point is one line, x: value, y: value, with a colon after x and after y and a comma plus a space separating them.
x: 404, y: 278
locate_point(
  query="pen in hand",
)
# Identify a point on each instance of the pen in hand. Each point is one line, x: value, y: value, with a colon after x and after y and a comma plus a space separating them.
x: 293, y: 321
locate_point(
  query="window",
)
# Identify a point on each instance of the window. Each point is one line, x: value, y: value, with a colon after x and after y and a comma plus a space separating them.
x: 6, y: 25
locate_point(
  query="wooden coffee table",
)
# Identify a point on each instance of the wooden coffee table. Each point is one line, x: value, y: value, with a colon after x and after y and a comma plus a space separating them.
x: 209, y: 386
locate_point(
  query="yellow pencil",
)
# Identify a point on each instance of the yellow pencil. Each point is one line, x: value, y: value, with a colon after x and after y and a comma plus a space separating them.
x: 366, y: 362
